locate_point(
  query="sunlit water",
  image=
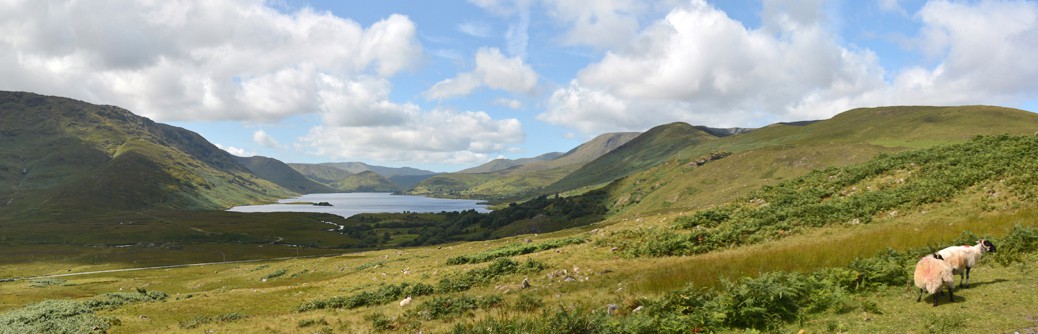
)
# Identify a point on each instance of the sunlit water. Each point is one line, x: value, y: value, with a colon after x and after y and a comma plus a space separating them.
x: 348, y: 204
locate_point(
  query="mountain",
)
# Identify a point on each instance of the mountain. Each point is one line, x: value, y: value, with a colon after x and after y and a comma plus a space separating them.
x: 320, y: 173
x: 648, y: 149
x: 366, y: 181
x: 346, y: 176
x: 782, y: 151
x: 357, y: 167
x: 282, y: 174
x: 63, y: 155
x: 501, y: 164
x: 521, y: 180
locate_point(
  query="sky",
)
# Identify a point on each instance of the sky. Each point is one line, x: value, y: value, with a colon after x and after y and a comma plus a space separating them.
x: 447, y: 85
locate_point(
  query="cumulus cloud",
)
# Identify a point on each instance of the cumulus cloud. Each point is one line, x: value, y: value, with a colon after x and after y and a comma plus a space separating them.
x: 700, y: 66
x: 602, y: 24
x: 510, y: 103
x: 492, y: 70
x: 437, y: 136
x: 229, y: 60
x: 263, y: 139
x: 243, y: 60
x: 236, y: 151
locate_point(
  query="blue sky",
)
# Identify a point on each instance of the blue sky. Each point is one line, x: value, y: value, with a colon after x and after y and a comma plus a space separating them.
x: 449, y: 85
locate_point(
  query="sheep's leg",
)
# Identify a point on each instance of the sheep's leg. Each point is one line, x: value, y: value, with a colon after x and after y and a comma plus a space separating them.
x: 968, y: 276
x: 920, y: 297
x: 951, y: 296
x: 936, y: 296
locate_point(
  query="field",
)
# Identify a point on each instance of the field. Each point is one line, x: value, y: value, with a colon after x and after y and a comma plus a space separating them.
x: 226, y: 297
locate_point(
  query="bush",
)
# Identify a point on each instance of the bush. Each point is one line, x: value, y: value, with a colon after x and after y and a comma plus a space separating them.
x: 381, y: 295
x: 1019, y: 241
x: 70, y: 316
x: 311, y: 322
x: 884, y: 269
x: 202, y: 320
x: 513, y: 250
x: 276, y: 274
x: 527, y: 303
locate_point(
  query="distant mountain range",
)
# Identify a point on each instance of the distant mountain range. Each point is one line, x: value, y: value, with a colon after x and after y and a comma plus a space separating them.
x: 62, y: 155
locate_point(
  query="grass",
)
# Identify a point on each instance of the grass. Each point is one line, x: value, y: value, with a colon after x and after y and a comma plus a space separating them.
x: 571, y: 284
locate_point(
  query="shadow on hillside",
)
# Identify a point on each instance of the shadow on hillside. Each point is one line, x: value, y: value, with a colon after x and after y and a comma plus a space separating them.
x: 943, y: 298
x: 983, y: 283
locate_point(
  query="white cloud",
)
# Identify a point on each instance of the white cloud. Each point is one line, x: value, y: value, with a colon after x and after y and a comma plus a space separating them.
x: 602, y: 24
x: 510, y: 103
x: 436, y: 136
x: 230, y: 60
x: 236, y: 151
x: 699, y: 66
x: 517, y: 37
x: 892, y: 6
x: 263, y: 139
x: 475, y: 29
x: 493, y: 70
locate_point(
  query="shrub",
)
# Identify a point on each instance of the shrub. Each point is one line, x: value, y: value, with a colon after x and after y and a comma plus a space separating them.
x: 202, y: 320
x: 513, y: 250
x: 70, y: 316
x: 1019, y: 241
x: 276, y: 274
x: 527, y: 303
x: 311, y: 322
x: 886, y: 268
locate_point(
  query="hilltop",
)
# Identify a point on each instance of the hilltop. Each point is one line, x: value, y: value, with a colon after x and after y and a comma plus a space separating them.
x: 63, y: 155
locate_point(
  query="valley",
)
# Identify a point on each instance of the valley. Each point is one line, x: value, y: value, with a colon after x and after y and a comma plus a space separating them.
x: 811, y: 226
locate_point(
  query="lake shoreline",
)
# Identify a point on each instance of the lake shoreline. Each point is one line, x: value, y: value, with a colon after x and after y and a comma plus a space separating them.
x: 349, y: 204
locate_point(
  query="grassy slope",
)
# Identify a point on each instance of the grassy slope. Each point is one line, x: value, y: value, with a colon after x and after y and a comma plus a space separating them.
x: 521, y: 181
x: 320, y: 173
x: 778, y: 152
x: 603, y: 277
x: 79, y: 157
x: 281, y: 174
x: 647, y: 150
x: 366, y: 181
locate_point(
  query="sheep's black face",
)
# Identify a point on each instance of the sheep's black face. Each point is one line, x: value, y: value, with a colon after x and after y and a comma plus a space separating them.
x: 988, y: 246
x: 938, y: 256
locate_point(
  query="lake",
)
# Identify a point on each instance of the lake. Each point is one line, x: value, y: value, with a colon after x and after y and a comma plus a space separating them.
x: 348, y: 204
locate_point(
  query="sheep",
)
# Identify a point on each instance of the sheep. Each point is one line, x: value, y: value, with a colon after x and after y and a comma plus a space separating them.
x: 964, y: 258
x: 931, y: 273
x: 405, y: 302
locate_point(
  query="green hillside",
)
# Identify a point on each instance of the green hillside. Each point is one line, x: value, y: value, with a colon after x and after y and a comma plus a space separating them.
x: 62, y: 155
x: 827, y: 251
x: 321, y: 173
x: 366, y: 181
x: 283, y: 175
x: 778, y: 152
x: 521, y: 181
x: 501, y: 164
x: 648, y: 149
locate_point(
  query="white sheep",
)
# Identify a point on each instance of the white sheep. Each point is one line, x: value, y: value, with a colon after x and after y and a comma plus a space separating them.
x: 405, y: 302
x: 964, y: 258
x: 931, y: 273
